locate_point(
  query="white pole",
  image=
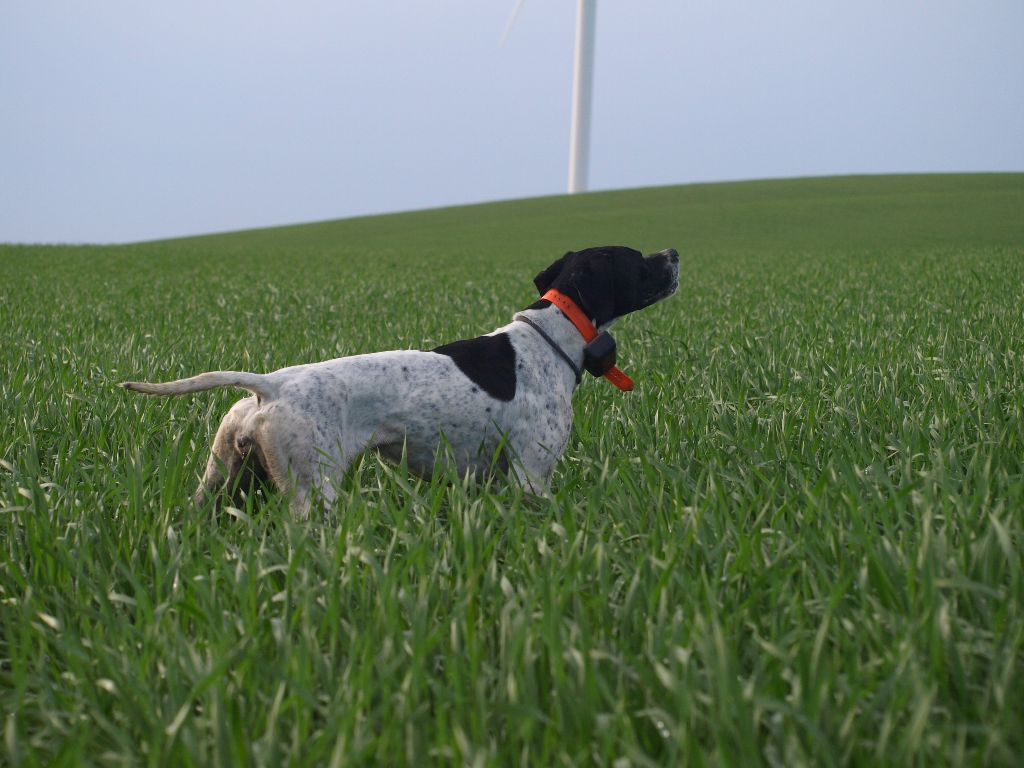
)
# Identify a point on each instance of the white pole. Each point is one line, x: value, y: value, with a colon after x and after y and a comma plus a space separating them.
x: 582, y: 88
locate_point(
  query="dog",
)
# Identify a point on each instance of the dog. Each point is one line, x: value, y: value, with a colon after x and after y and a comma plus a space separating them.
x: 503, y: 400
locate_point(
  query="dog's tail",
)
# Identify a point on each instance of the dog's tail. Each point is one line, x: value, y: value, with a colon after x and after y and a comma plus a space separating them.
x: 257, y: 383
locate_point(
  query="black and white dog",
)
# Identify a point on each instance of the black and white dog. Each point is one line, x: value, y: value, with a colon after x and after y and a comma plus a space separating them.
x: 507, y: 394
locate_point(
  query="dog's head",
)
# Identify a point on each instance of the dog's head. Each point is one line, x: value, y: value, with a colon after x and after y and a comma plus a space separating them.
x: 612, y: 281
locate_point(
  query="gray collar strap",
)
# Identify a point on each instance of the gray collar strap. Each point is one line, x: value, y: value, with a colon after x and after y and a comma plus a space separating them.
x: 543, y: 334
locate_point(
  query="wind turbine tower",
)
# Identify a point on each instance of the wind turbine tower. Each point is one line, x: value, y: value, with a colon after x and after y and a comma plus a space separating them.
x: 582, y: 96
x: 582, y: 90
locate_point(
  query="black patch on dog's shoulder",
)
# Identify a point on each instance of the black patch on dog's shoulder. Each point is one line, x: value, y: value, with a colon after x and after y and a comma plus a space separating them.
x: 488, y: 361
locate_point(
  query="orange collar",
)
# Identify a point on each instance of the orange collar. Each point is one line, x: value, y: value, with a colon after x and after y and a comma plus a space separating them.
x: 588, y: 332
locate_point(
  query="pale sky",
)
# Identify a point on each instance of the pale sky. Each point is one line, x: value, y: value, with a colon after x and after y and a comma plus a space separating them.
x: 127, y: 120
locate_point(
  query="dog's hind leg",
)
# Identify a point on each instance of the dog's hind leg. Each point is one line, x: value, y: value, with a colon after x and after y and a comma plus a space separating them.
x: 299, y: 456
x: 234, y: 463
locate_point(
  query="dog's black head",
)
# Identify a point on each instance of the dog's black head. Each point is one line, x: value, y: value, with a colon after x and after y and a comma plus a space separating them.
x: 612, y: 281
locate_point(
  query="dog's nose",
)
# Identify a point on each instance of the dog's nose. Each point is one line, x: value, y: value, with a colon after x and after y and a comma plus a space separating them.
x: 671, y: 253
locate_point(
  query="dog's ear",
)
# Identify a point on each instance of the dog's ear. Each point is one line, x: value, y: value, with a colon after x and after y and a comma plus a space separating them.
x: 544, y: 279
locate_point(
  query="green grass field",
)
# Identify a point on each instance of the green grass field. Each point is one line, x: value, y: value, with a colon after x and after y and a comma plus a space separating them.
x: 799, y: 541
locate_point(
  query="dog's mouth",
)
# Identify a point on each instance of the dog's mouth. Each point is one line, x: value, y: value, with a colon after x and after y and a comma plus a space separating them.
x: 663, y: 276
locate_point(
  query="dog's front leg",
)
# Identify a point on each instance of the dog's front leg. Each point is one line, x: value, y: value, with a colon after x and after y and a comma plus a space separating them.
x: 532, y: 462
x: 532, y: 482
